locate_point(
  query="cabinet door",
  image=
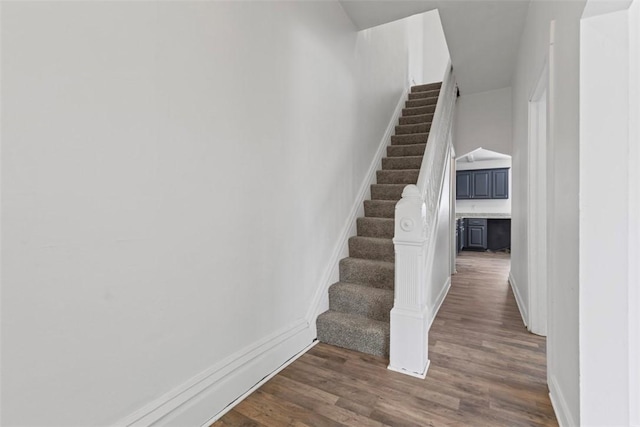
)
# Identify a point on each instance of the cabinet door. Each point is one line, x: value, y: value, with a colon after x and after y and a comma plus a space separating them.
x: 477, y: 236
x: 500, y: 184
x: 463, y: 185
x: 481, y: 184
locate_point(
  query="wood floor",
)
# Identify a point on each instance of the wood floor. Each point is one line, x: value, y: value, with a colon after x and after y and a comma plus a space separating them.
x: 486, y: 370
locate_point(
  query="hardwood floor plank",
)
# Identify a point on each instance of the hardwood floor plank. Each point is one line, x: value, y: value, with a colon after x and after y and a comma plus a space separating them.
x: 486, y: 370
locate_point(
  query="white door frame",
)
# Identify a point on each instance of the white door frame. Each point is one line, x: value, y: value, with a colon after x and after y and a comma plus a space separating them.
x: 609, y: 315
x: 537, y: 204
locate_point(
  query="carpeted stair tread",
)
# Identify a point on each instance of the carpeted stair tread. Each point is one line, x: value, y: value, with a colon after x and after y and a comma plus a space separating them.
x: 419, y: 118
x: 371, y: 248
x: 387, y: 191
x: 425, y: 94
x: 424, y: 102
x: 429, y: 109
x: 414, y: 128
x: 375, y: 227
x: 403, y: 162
x: 406, y: 150
x: 379, y: 274
x: 354, y: 332
x: 426, y: 87
x: 363, y: 300
x: 411, y: 138
x: 402, y: 176
x: 380, y: 208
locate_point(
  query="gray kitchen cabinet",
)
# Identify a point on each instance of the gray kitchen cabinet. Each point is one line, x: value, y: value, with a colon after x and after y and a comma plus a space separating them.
x: 482, y: 184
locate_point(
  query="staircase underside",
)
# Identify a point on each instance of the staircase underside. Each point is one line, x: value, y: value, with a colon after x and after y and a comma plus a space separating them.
x: 360, y: 303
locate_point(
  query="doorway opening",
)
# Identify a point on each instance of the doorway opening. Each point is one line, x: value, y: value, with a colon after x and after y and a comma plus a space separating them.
x: 483, y: 201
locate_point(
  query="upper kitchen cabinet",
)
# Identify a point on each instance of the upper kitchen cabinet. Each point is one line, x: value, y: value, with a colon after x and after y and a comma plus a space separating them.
x: 483, y: 184
x: 463, y: 185
x: 500, y: 183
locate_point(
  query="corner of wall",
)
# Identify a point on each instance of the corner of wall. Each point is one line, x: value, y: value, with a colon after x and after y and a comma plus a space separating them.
x: 522, y: 307
x: 560, y: 406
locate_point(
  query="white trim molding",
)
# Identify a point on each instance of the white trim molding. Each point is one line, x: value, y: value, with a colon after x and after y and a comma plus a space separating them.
x: 257, y: 386
x: 560, y: 406
x: 320, y: 302
x: 439, y: 300
x: 522, y: 307
x: 212, y: 390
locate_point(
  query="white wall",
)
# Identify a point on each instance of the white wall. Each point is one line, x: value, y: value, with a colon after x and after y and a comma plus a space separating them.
x: 416, y: 57
x: 175, y: 176
x: 484, y: 120
x: 608, y: 191
x: 563, y: 177
x: 435, y: 49
x: 501, y: 206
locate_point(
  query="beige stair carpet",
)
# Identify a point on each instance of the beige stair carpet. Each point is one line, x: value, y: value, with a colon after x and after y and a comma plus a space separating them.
x: 360, y: 303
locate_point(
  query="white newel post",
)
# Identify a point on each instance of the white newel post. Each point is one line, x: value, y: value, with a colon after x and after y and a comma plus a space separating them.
x: 409, y: 316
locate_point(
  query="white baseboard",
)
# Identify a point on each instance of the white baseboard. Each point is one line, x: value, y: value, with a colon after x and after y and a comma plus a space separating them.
x: 211, y: 391
x: 521, y: 305
x: 257, y: 386
x: 420, y: 375
x: 560, y: 407
x: 439, y: 300
x: 341, y: 249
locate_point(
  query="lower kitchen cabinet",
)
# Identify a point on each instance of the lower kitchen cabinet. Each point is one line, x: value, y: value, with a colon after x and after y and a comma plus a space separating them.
x: 480, y: 234
x: 476, y: 233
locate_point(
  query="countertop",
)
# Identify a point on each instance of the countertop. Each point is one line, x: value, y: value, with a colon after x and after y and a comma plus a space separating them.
x: 483, y: 215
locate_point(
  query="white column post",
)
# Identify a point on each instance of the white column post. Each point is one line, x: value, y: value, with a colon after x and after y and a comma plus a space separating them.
x: 409, y: 316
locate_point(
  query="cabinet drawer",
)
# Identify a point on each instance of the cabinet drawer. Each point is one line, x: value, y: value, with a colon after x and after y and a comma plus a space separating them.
x: 477, y: 221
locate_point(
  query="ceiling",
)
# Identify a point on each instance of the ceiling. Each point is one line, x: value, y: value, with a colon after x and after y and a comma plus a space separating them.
x: 482, y: 35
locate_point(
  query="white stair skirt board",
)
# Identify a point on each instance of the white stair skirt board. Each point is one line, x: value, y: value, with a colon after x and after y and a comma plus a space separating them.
x: 320, y: 302
x: 205, y: 395
x: 439, y: 300
x: 560, y: 407
x: 522, y: 308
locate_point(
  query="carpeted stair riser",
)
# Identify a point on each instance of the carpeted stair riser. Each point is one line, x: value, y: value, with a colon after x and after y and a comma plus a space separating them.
x: 354, y: 332
x: 411, y: 138
x: 418, y: 111
x: 379, y: 274
x: 367, y: 301
x: 360, y: 304
x: 427, y: 87
x: 425, y: 94
x: 405, y: 162
x: 397, y: 176
x: 387, y: 191
x: 412, y: 120
x: 425, y: 102
x: 414, y: 128
x: 371, y: 248
x: 406, y: 150
x: 380, y: 208
x: 375, y: 227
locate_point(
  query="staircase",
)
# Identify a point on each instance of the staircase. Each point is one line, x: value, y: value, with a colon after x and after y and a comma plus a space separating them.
x: 360, y: 303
